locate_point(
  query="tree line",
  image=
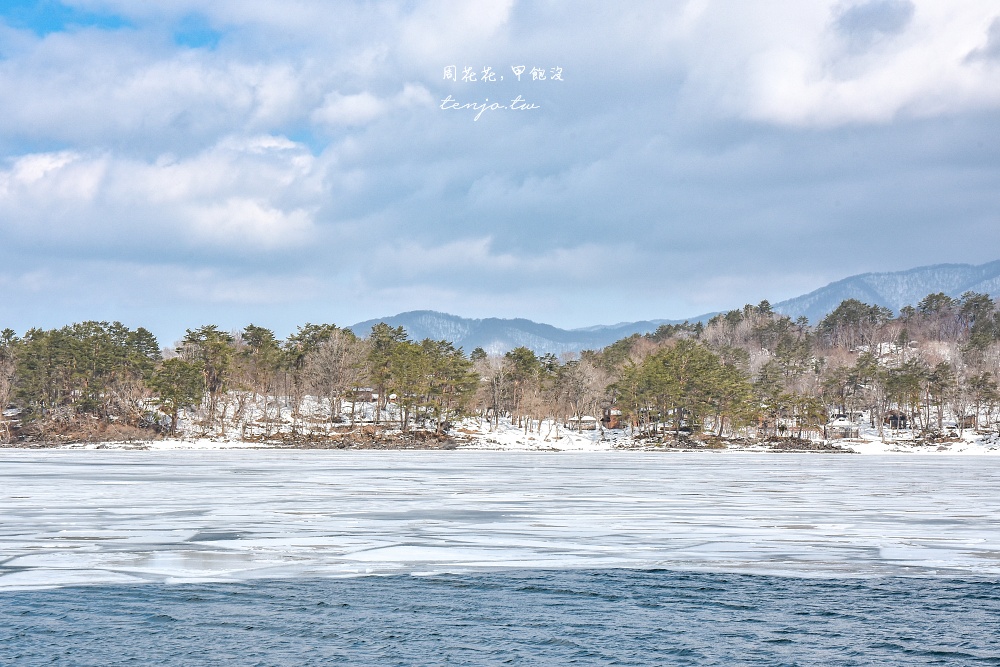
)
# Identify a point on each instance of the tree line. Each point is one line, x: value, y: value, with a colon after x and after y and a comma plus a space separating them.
x: 748, y: 372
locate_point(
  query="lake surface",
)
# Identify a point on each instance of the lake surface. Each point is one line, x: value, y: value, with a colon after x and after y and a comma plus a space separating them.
x: 318, y: 557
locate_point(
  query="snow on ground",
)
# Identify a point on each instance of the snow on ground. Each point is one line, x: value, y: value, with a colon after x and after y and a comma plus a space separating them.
x: 169, y: 444
x: 550, y: 437
x: 910, y: 441
x: 969, y: 443
x: 264, y: 420
x: 481, y: 434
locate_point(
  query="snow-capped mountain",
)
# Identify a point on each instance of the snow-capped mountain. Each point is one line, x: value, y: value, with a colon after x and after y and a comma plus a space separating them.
x: 499, y: 335
x: 896, y: 289
x: 892, y: 290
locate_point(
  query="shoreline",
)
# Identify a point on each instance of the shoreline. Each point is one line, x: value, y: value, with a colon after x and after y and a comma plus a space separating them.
x: 961, y: 448
x: 473, y: 434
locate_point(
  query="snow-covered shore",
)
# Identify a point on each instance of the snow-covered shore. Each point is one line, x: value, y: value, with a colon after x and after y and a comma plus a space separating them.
x: 274, y: 425
x: 509, y: 438
x: 477, y: 434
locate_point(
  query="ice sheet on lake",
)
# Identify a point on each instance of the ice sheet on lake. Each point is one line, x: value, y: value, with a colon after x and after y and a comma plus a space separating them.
x: 71, y: 517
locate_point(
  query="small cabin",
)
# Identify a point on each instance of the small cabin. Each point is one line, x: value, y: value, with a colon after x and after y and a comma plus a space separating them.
x: 584, y: 423
x: 841, y: 431
x: 362, y: 395
x: 612, y: 418
x: 966, y: 421
x: 894, y: 419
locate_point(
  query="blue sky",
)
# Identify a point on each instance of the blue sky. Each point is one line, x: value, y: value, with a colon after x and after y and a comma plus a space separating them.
x: 173, y: 163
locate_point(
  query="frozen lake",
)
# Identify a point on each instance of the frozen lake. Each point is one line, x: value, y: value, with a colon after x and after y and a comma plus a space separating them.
x: 122, y: 517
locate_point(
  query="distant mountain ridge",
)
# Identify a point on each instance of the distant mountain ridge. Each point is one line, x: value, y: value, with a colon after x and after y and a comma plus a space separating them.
x: 895, y: 289
x: 892, y: 290
x: 497, y: 335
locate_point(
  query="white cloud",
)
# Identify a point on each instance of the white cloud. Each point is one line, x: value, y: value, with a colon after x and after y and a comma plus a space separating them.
x: 244, y: 194
x: 49, y: 181
x: 358, y: 109
x: 920, y: 69
x: 33, y: 168
x: 214, y: 286
x: 475, y: 264
x: 363, y: 108
x: 640, y: 176
x: 94, y: 88
x: 240, y: 221
x: 785, y: 61
x: 438, y: 29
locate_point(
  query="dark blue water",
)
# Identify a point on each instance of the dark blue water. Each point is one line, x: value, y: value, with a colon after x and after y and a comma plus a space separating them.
x: 608, y: 617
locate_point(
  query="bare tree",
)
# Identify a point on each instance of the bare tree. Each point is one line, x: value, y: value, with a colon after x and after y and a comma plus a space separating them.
x: 335, y: 368
x: 494, y: 391
x: 584, y: 386
x: 7, y: 367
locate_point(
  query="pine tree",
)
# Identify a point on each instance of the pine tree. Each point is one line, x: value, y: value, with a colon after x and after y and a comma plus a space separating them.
x: 178, y: 384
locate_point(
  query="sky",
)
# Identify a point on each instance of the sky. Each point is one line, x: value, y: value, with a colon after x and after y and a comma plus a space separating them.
x: 173, y: 163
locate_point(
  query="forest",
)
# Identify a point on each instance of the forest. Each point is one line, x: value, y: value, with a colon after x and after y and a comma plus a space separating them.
x: 748, y: 373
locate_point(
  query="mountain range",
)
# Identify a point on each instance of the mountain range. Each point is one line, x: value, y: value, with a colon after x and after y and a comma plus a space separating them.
x: 896, y: 289
x: 892, y: 290
x: 497, y: 335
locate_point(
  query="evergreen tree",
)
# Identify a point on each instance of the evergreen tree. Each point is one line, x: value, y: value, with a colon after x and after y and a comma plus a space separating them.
x: 382, y: 344
x: 178, y: 384
x: 8, y: 364
x: 214, y: 349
